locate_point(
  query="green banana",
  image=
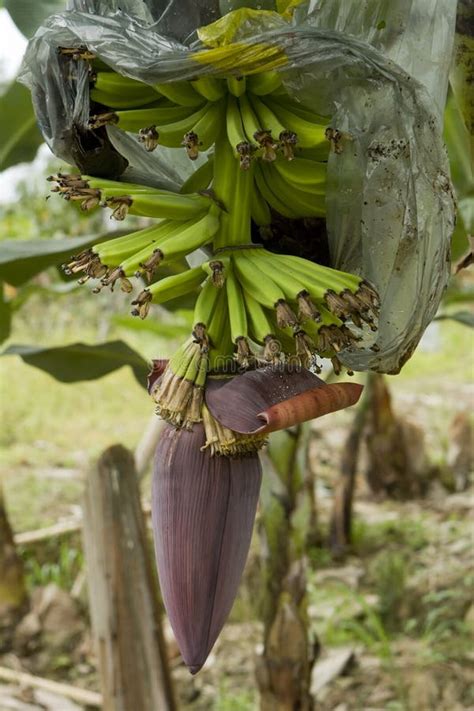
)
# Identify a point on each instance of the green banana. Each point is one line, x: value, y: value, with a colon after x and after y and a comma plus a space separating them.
x: 137, y: 119
x: 200, y: 179
x: 209, y: 125
x: 306, y: 175
x: 236, y: 85
x: 296, y: 287
x: 188, y: 240
x: 217, y: 270
x: 210, y: 88
x: 163, y: 204
x: 239, y: 222
x: 260, y: 326
x: 302, y: 203
x: 114, y: 82
x: 267, y: 119
x: 309, y: 134
x: 224, y: 170
x: 324, y: 277
x: 285, y: 280
x: 236, y: 306
x: 123, y: 102
x: 218, y: 329
x: 200, y: 383
x: 258, y: 285
x: 295, y: 107
x: 146, y: 259
x: 117, y: 91
x: 178, y: 242
x: 249, y: 119
x: 259, y: 210
x: 233, y: 188
x: 313, y: 289
x: 345, y: 295
x: 113, y: 251
x: 115, y: 187
x: 179, y: 361
x: 205, y: 303
x: 273, y: 201
x: 179, y: 92
x: 177, y: 285
x: 234, y: 125
x: 264, y: 83
x: 169, y: 134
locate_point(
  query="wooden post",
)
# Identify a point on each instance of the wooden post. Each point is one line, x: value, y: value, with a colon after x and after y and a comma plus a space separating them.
x: 13, y: 595
x: 123, y: 590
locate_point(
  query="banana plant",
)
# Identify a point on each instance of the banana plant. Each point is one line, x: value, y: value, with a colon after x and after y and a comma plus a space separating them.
x: 263, y: 321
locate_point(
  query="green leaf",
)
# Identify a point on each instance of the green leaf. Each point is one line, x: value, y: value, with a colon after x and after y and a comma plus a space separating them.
x: 460, y: 238
x: 461, y: 70
x: 457, y: 294
x: 458, y: 142
x: 80, y: 361
x: 164, y: 330
x: 20, y: 260
x: 56, y: 290
x: 5, y: 316
x: 464, y: 317
x: 20, y: 134
x: 28, y: 15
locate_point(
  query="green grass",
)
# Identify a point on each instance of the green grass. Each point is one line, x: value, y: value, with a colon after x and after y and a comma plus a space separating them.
x: 56, y: 561
x: 48, y: 426
x: 229, y: 700
x: 450, y: 363
x: 413, y: 534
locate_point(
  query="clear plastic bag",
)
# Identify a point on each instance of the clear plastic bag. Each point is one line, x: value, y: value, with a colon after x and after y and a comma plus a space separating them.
x: 390, y: 207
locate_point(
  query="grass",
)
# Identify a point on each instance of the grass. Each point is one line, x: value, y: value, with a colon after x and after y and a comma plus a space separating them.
x: 455, y: 342
x: 409, y: 532
x: 230, y: 700
x: 56, y: 561
x: 49, y: 427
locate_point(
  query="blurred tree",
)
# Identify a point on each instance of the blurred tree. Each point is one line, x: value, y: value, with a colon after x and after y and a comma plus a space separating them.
x: 287, y: 520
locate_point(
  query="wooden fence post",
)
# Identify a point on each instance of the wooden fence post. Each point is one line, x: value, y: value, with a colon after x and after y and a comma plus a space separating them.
x: 123, y: 590
x: 13, y: 594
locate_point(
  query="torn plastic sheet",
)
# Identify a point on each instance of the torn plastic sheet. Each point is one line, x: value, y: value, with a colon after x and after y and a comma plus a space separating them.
x: 390, y: 207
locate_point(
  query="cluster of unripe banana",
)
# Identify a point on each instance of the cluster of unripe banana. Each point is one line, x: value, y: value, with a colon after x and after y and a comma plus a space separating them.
x: 265, y: 154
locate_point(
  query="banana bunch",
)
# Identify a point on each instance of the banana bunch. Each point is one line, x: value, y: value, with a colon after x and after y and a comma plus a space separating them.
x: 286, y: 140
x: 180, y: 391
x: 265, y: 154
x: 262, y: 123
x: 294, y: 309
x: 125, y: 198
x: 187, y: 223
x: 291, y: 308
